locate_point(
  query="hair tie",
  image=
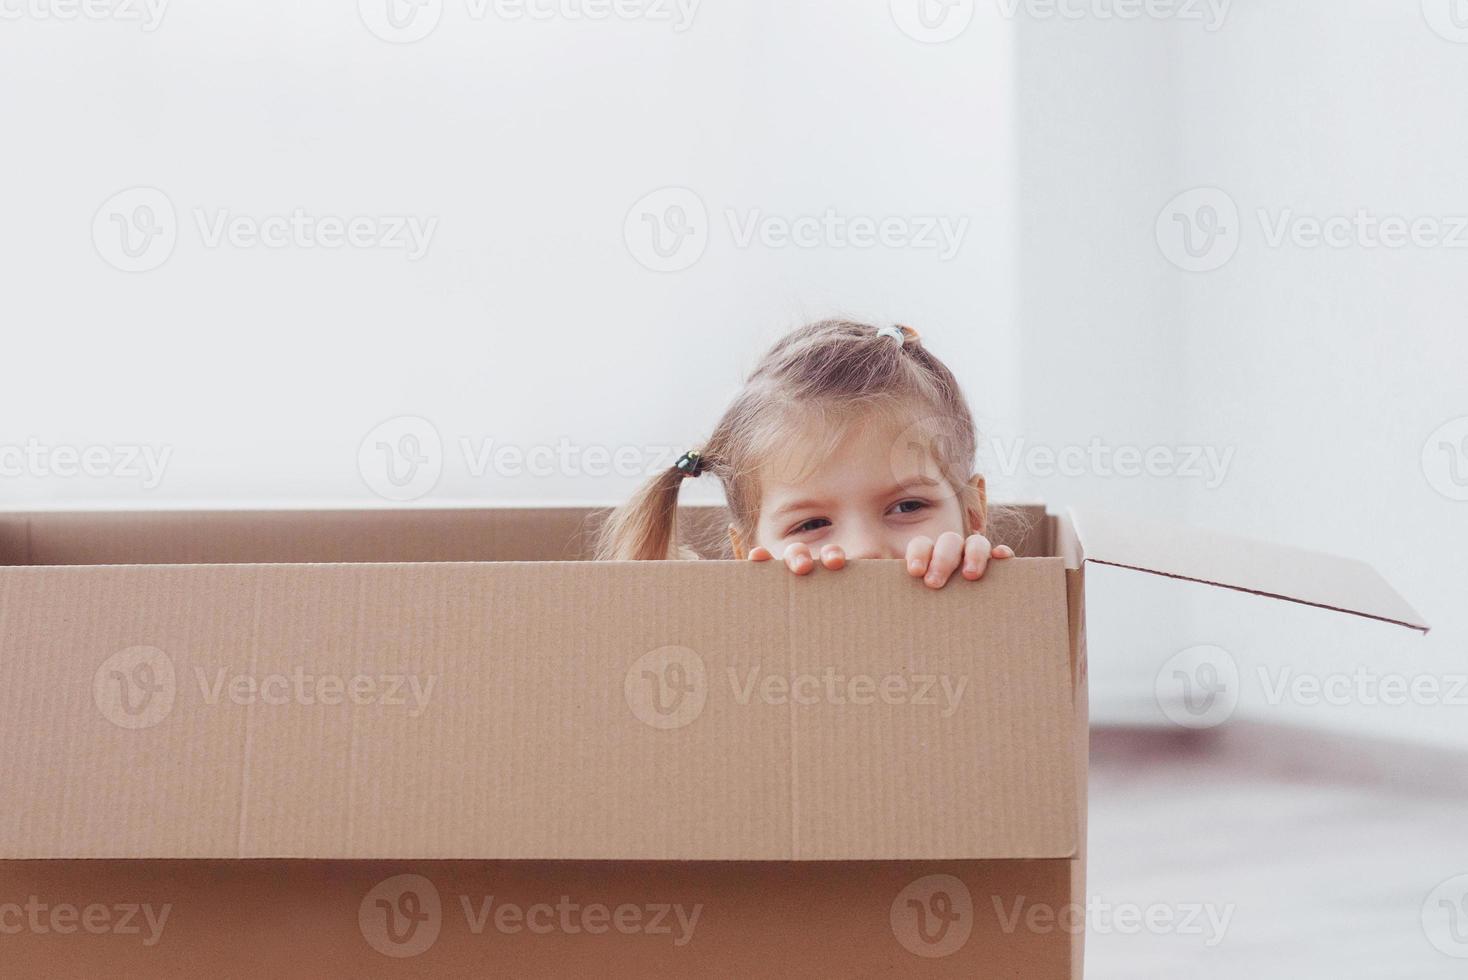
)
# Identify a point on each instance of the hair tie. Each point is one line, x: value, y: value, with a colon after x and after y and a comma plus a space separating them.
x: 900, y: 333
x: 690, y: 464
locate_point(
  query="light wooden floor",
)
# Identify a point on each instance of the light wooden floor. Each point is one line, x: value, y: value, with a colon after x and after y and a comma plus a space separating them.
x: 1326, y: 849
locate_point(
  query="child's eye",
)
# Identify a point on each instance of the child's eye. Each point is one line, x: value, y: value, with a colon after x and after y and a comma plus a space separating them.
x: 814, y: 524
x: 910, y: 506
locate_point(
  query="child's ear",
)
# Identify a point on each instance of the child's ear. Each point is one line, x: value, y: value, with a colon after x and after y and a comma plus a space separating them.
x: 978, y: 511
x: 736, y: 544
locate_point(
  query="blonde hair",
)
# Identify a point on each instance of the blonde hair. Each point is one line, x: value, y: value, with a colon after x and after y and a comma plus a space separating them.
x: 832, y: 373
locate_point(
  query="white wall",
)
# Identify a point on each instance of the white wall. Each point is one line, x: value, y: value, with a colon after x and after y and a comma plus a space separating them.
x: 1330, y: 367
x: 1098, y: 312
x: 530, y: 319
x: 1322, y: 371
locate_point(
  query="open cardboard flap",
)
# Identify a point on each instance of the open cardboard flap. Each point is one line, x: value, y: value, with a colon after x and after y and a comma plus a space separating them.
x: 1246, y: 565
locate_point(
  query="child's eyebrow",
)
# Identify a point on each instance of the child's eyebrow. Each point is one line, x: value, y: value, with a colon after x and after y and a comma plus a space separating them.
x: 798, y: 505
x: 912, y: 483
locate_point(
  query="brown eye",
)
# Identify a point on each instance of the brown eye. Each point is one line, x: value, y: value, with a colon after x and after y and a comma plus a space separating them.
x: 814, y: 524
x: 911, y: 506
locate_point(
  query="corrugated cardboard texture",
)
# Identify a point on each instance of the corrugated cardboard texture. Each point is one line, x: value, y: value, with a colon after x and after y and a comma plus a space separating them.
x: 478, y: 534
x: 219, y: 537
x: 1075, y: 580
x: 1242, y: 564
x: 530, y: 744
x: 326, y: 919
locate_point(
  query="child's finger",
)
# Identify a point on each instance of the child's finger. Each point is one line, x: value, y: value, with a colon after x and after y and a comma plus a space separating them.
x: 977, y: 551
x: 760, y: 553
x: 1004, y: 551
x: 833, y: 557
x: 919, y: 552
x: 798, y: 558
x: 947, y: 553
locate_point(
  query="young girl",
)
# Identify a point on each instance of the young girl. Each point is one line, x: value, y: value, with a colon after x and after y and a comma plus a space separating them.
x: 848, y: 441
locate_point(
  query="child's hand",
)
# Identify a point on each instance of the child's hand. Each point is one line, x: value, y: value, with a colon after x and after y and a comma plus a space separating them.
x: 932, y: 561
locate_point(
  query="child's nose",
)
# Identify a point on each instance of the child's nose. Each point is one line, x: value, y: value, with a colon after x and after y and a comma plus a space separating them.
x: 867, y: 548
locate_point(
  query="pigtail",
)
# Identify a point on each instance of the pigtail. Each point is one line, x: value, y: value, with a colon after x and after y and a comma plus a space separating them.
x: 643, y: 528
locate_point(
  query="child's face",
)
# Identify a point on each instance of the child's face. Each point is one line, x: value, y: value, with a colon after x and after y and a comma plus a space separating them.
x: 861, y: 497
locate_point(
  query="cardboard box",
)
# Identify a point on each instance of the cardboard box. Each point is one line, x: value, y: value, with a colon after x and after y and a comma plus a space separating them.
x: 432, y: 743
